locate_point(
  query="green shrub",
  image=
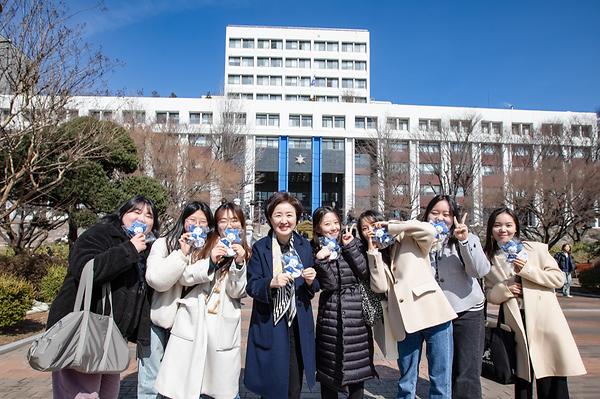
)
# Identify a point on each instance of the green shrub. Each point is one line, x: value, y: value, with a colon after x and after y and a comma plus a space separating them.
x: 590, y: 278
x: 29, y: 267
x: 16, y: 296
x: 58, y: 251
x: 51, y: 283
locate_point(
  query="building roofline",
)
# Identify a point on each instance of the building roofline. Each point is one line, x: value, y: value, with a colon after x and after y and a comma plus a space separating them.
x: 297, y: 27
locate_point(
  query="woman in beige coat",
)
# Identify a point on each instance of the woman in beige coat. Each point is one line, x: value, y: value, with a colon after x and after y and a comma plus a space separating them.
x: 546, y: 350
x: 417, y: 309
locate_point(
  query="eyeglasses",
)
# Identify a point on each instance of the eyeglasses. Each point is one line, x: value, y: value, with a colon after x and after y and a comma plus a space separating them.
x: 226, y: 221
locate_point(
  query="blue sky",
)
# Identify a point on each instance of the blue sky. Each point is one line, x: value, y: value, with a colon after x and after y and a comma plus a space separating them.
x: 531, y: 54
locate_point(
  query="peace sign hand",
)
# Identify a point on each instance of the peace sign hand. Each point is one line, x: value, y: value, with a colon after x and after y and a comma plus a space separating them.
x: 461, y: 231
x: 347, y: 236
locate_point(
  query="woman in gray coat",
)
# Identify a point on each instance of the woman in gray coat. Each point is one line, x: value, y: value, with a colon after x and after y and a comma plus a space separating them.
x: 459, y: 262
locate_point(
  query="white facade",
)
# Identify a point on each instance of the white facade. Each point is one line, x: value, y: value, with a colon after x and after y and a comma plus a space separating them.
x: 276, y: 63
x: 285, y: 112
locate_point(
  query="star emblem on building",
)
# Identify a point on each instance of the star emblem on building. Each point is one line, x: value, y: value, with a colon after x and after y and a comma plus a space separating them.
x: 300, y: 159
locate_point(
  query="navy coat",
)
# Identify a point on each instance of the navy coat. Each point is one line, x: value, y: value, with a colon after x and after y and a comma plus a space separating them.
x: 268, y: 351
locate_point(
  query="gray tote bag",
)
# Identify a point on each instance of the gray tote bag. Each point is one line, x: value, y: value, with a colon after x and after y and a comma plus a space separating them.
x: 82, y: 340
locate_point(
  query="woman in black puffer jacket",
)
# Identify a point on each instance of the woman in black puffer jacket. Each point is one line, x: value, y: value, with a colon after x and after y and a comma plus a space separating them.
x: 343, y: 340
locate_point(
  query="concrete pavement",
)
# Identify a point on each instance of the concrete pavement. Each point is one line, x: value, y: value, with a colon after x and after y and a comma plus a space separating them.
x: 17, y: 380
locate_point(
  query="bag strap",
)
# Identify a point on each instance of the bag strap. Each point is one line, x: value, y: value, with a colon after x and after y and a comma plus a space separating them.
x: 86, y: 282
x: 500, y: 316
x: 106, y: 291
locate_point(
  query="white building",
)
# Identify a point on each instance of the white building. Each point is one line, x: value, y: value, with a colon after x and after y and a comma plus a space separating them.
x: 304, y: 96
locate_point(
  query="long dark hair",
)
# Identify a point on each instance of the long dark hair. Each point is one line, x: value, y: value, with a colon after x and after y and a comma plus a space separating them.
x: 454, y: 210
x: 173, y: 235
x: 317, y: 217
x: 490, y: 244
x: 372, y: 216
x: 214, y: 236
x: 136, y: 202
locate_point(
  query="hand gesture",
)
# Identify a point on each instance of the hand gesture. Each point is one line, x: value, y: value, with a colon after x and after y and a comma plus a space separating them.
x: 281, y: 280
x: 184, y: 243
x: 217, y: 253
x: 371, y: 241
x: 323, y: 253
x: 347, y: 236
x: 461, y: 231
x: 309, y: 275
x: 379, y: 225
x: 519, y: 264
x: 516, y: 289
x: 240, y: 253
x: 139, y: 242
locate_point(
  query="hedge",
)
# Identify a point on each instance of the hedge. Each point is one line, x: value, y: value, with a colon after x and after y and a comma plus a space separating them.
x: 16, y: 297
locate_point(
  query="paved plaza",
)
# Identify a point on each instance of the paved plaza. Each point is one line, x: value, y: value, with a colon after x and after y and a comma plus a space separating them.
x: 17, y: 380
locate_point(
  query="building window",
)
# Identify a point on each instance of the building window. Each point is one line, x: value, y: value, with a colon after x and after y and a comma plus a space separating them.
x: 248, y: 61
x: 170, y: 117
x: 521, y: 151
x: 235, y: 118
x: 270, y: 44
x: 303, y: 144
x: 266, y: 96
x: 332, y: 82
x: 300, y: 121
x: 398, y: 146
x: 330, y: 121
x: 489, y: 170
x: 235, y: 43
x: 365, y: 122
x: 302, y: 63
x: 267, y: 142
x: 332, y: 64
x: 248, y: 43
x: 429, y: 148
x: 552, y: 129
x: 348, y: 47
x: 101, y: 115
x: 197, y: 118
x: 320, y: 46
x: 273, y: 62
x: 397, y: 124
x: 429, y: 125
x: 134, y: 117
x: 235, y: 61
x: 521, y: 129
x: 198, y: 140
x: 297, y: 97
x: 267, y: 120
x: 320, y: 64
x: 333, y: 144
x: 581, y: 130
x: 431, y: 189
x: 461, y: 126
x: 304, y: 45
x: 489, y: 149
x: 291, y: 44
x: 268, y: 80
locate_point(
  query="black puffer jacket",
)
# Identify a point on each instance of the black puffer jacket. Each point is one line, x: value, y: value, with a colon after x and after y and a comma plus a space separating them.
x: 344, y: 341
x: 115, y: 260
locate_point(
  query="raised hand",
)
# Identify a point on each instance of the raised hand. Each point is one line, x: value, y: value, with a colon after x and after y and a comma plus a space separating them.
x: 139, y: 242
x: 184, y: 243
x: 281, y: 280
x: 461, y: 231
x: 347, y: 237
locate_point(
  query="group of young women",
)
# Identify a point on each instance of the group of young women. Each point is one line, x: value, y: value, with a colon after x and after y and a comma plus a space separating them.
x: 181, y: 302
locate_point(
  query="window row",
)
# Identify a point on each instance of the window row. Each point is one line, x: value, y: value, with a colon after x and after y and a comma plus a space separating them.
x: 301, y: 63
x: 317, y: 45
x: 303, y: 81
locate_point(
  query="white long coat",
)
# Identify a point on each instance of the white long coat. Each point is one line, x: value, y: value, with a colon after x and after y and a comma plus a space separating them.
x: 203, y: 351
x: 548, y: 343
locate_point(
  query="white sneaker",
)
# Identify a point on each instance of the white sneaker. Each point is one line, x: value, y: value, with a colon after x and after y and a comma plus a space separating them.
x: 569, y: 296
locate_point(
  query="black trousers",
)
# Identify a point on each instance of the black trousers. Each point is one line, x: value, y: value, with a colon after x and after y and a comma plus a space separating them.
x: 547, y: 388
x: 468, y: 336
x: 355, y: 391
x: 296, y: 363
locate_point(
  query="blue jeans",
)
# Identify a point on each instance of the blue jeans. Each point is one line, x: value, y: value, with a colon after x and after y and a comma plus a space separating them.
x: 439, y: 358
x: 149, y: 363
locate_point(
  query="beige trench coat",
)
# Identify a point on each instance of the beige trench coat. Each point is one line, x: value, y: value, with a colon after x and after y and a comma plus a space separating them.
x: 415, y: 300
x: 548, y: 342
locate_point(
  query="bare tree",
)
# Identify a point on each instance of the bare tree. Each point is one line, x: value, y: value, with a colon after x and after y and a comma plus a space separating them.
x: 44, y: 64
x: 456, y: 165
x: 392, y: 189
x: 555, y: 192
